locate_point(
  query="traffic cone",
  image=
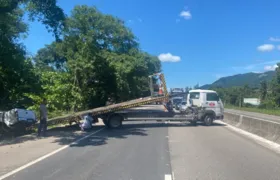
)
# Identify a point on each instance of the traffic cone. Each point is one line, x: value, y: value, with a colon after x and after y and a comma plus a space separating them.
x: 160, y: 92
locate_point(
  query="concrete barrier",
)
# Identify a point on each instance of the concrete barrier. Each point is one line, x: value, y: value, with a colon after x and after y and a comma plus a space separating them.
x: 267, y: 129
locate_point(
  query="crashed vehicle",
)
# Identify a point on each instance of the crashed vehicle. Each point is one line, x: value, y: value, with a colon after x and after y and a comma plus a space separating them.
x: 15, y: 119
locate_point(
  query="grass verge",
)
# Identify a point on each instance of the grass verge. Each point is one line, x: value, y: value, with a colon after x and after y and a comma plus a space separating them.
x: 275, y: 112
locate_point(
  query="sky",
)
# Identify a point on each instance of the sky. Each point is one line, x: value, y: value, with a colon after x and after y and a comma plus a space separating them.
x: 198, y: 41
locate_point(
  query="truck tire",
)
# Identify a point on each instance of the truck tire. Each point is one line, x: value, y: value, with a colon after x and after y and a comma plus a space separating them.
x: 115, y: 121
x: 208, y: 120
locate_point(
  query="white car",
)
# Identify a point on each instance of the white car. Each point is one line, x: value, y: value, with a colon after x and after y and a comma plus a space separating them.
x: 183, y: 106
x: 16, y: 115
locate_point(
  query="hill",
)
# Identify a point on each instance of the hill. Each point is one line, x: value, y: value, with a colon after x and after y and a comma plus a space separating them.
x: 252, y: 79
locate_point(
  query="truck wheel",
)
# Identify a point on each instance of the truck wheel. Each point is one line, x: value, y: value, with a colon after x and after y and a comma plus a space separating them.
x: 208, y: 120
x: 115, y: 121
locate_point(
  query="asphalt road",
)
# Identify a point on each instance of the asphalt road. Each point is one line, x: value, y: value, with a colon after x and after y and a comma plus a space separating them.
x: 150, y: 151
x: 255, y: 114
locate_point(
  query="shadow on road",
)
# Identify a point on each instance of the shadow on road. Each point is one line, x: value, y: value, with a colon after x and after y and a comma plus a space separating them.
x: 69, y: 134
x: 106, y: 134
x: 128, y: 129
x: 162, y: 124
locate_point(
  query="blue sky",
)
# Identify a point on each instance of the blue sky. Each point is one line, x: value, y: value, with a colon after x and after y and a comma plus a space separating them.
x: 198, y: 41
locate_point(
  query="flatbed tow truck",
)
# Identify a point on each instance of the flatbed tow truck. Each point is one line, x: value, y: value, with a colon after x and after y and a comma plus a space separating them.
x: 113, y: 115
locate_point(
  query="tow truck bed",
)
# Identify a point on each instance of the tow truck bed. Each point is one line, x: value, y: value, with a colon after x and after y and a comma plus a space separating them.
x: 107, y: 109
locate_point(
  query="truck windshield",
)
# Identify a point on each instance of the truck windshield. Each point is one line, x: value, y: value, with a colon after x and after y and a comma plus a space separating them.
x: 194, y: 95
x: 176, y: 101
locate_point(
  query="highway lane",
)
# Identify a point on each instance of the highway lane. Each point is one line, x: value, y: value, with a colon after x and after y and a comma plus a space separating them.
x: 149, y: 151
x: 218, y: 153
x: 255, y: 114
x: 135, y: 152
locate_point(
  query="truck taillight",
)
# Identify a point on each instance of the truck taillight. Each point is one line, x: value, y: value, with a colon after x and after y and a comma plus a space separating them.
x: 211, y: 104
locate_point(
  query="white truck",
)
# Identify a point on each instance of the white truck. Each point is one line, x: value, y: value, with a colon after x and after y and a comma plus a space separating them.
x: 203, y: 105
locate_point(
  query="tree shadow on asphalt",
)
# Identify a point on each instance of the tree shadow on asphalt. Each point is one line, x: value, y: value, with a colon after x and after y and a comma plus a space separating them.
x: 11, y: 139
x: 71, y: 132
x: 127, y: 131
x: 68, y: 134
x: 107, y: 134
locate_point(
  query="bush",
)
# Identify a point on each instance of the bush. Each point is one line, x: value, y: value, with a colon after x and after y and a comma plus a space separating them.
x: 268, y: 104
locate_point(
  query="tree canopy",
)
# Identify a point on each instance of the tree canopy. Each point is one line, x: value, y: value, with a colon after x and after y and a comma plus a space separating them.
x: 16, y: 70
x: 95, y: 58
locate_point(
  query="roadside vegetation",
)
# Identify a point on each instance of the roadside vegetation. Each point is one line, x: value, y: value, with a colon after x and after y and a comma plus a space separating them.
x: 268, y: 92
x: 94, y: 58
x: 275, y: 112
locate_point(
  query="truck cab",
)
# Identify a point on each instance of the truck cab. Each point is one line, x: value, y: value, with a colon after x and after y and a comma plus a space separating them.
x: 209, y: 101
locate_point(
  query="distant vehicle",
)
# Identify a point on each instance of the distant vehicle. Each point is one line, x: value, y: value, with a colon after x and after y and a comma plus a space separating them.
x: 177, y: 105
x: 177, y: 92
x: 18, y: 117
x: 183, y: 106
x: 176, y: 101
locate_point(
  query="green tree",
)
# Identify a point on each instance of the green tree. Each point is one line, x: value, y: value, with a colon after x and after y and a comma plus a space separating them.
x: 263, y: 91
x: 99, y: 58
x: 275, y: 86
x: 16, y: 70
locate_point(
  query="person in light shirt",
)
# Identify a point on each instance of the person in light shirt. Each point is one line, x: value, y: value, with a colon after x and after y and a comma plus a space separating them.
x: 87, y: 122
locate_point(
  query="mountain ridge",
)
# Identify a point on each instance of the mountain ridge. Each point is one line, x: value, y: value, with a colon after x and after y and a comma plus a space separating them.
x: 251, y: 79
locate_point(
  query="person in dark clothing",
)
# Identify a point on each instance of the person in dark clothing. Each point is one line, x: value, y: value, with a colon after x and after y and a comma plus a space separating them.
x: 42, y: 128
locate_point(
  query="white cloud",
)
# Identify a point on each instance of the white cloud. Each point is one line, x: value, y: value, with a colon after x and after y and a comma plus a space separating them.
x: 168, y: 57
x: 270, y: 68
x: 186, y: 14
x: 275, y: 39
x: 130, y: 21
x: 134, y: 21
x: 254, y: 67
x: 266, y: 47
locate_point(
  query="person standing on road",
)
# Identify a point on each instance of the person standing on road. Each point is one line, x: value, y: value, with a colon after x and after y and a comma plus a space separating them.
x: 42, y: 128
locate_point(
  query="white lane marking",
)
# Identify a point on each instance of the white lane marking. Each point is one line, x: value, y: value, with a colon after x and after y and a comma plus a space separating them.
x: 173, y: 175
x: 260, y: 140
x: 167, y: 177
x: 46, y: 156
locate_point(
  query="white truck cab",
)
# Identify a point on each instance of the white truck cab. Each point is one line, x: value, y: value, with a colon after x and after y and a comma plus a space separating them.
x: 208, y: 100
